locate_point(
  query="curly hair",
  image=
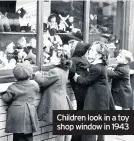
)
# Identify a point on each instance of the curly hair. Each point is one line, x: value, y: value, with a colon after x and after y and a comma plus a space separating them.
x: 65, y: 62
x: 103, y: 50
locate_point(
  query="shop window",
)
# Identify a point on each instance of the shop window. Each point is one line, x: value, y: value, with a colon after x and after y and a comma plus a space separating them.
x: 102, y: 16
x: 17, y: 33
x: 103, y: 22
x: 65, y: 23
x: 69, y: 17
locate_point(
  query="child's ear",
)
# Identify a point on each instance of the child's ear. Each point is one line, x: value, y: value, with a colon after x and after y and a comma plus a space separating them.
x: 126, y: 61
x: 99, y: 56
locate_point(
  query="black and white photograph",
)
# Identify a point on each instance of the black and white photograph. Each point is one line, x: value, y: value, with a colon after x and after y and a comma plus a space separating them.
x: 66, y: 55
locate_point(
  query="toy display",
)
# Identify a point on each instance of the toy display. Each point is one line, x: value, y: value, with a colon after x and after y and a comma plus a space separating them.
x: 63, y: 24
x: 15, y: 22
x: 24, y: 49
x: 4, y: 23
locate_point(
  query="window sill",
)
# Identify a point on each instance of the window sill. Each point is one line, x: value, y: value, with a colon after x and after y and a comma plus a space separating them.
x: 17, y: 33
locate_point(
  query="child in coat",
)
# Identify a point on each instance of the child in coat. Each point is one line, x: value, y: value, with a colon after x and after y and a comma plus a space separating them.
x: 55, y: 95
x: 79, y: 65
x: 98, y: 93
x: 121, y: 87
x: 22, y: 118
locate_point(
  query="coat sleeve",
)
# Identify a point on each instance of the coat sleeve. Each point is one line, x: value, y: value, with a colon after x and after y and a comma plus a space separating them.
x: 72, y: 71
x: 9, y: 95
x: 94, y: 73
x: 47, y: 78
x: 36, y: 86
x: 116, y: 74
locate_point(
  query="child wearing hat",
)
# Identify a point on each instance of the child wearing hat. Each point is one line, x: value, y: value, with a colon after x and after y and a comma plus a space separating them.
x: 22, y: 118
x: 79, y: 65
x: 121, y: 87
x: 98, y: 93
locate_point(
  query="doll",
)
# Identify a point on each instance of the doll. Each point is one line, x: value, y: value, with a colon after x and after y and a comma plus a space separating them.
x: 70, y: 23
x: 52, y: 23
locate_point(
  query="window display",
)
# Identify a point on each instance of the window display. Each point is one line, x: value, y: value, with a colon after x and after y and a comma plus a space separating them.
x: 103, y: 23
x: 62, y: 21
x: 17, y: 33
x: 102, y: 16
x: 69, y: 16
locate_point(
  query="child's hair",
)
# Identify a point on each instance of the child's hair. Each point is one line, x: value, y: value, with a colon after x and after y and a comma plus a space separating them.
x: 66, y: 62
x: 103, y: 50
x: 23, y: 71
x: 127, y: 54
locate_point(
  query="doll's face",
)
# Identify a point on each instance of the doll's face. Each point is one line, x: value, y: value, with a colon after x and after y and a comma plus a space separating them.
x: 53, y: 20
x: 47, y: 49
x: 71, y: 19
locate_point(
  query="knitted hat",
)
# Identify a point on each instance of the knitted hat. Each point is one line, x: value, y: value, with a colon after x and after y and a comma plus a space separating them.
x: 23, y: 71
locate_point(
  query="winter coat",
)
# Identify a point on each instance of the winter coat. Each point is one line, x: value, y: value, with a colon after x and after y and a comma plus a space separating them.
x: 121, y: 87
x: 55, y: 95
x: 98, y: 93
x: 79, y: 65
x: 21, y: 113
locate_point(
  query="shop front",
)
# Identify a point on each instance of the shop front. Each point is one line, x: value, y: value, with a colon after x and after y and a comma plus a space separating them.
x: 24, y: 36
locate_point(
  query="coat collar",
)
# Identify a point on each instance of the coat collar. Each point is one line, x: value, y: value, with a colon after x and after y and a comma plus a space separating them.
x: 122, y: 65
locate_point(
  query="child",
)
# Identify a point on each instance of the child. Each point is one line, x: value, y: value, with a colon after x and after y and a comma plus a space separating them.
x: 55, y: 95
x: 121, y: 88
x: 22, y: 118
x: 98, y: 93
x: 79, y: 65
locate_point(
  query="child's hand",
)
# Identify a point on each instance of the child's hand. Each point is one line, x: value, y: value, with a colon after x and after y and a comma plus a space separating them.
x: 75, y: 77
x: 110, y: 68
x: 38, y: 72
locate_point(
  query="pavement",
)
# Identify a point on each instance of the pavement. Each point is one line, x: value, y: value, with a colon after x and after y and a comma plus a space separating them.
x: 119, y: 138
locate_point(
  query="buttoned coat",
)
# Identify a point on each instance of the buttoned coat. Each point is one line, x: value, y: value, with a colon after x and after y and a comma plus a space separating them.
x: 121, y: 87
x: 21, y: 112
x: 98, y: 94
x: 55, y: 95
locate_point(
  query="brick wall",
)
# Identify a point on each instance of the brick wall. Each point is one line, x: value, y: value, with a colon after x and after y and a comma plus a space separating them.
x: 45, y: 131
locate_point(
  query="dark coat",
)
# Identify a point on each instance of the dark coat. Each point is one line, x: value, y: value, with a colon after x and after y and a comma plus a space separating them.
x: 21, y: 113
x: 98, y: 94
x: 55, y: 95
x: 121, y: 87
x: 79, y: 65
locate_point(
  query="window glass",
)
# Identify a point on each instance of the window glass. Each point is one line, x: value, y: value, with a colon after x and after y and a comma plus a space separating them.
x: 102, y: 16
x: 64, y: 23
x: 69, y: 16
x: 17, y: 33
x: 103, y: 23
